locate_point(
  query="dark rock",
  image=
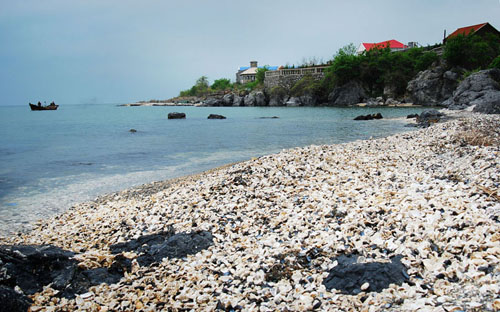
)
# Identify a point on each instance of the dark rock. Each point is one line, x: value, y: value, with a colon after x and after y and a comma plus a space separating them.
x: 133, y: 130
x: 369, y: 117
x: 176, y: 115
x: 12, y: 301
x: 429, y: 116
x: 273, y: 117
x: 255, y: 98
x: 433, y: 86
x: 238, y: 100
x: 228, y: 99
x: 32, y: 267
x: 481, y: 90
x: 153, y: 248
x: 412, y: 116
x: 307, y: 100
x: 213, y: 102
x: 215, y: 116
x: 348, y: 276
x: 348, y: 94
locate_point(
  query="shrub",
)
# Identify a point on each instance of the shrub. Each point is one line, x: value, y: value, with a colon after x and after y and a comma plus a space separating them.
x: 495, y: 63
x: 261, y: 74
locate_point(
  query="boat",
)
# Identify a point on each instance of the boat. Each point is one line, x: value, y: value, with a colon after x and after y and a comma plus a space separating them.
x: 39, y: 107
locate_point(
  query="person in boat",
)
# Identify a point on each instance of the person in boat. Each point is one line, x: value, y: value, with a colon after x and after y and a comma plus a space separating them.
x: 39, y: 103
x: 52, y: 103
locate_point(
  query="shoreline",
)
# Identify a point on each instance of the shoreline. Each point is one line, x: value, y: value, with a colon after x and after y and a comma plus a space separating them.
x: 394, y: 193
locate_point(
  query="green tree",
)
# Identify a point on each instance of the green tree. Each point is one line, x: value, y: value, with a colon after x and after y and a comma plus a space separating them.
x: 221, y: 84
x: 201, y: 86
x: 261, y: 74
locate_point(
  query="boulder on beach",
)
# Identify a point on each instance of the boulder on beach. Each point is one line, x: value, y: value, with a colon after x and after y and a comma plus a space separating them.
x: 215, y: 116
x: 480, y: 90
x: 428, y: 117
x: 176, y: 115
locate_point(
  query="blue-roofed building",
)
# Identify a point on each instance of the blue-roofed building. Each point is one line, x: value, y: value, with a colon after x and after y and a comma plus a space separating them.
x: 248, y: 73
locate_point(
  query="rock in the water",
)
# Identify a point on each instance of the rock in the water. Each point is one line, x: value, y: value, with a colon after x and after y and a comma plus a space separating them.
x: 215, y: 116
x: 176, y: 115
x: 412, y: 116
x: 432, y: 86
x: 350, y: 278
x: 369, y: 117
x: 153, y: 248
x: 348, y: 94
x: 481, y: 90
x: 11, y: 301
x: 273, y: 117
x: 133, y: 130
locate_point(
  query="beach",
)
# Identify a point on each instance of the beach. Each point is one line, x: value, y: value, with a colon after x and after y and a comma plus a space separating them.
x: 277, y: 225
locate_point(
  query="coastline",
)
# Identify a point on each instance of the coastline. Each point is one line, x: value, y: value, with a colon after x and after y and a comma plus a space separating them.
x: 395, y: 193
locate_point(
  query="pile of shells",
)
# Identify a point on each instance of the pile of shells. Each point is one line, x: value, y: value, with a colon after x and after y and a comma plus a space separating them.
x: 279, y: 223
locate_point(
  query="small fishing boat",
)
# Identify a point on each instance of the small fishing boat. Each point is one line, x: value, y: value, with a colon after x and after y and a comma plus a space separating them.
x: 39, y: 107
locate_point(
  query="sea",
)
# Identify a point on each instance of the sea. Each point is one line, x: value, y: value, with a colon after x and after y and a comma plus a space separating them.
x: 52, y: 160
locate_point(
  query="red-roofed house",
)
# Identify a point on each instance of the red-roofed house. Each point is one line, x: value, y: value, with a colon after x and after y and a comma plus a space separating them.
x: 394, y: 45
x: 479, y: 29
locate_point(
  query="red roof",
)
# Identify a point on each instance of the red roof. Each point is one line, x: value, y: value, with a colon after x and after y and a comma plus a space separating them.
x: 393, y: 44
x: 466, y: 30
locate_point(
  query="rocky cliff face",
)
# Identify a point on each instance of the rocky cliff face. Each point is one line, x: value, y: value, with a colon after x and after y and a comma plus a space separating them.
x: 433, y: 86
x: 349, y: 94
x: 481, y: 91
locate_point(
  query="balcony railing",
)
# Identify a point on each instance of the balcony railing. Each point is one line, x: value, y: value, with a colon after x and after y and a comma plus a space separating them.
x: 296, y: 71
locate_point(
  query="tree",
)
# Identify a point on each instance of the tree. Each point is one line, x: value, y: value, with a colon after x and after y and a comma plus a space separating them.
x: 472, y: 51
x: 221, y: 84
x: 261, y: 74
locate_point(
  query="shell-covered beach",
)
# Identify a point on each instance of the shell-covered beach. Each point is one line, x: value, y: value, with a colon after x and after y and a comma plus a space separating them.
x: 279, y: 224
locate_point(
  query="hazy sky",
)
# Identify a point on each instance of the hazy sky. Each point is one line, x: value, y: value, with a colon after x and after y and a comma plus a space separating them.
x: 116, y: 51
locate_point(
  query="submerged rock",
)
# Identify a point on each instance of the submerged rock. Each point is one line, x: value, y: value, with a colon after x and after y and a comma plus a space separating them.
x: 369, y: 117
x: 176, y: 115
x: 215, y: 116
x: 351, y: 278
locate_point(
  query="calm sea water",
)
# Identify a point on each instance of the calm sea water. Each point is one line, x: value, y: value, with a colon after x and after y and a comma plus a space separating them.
x: 50, y: 160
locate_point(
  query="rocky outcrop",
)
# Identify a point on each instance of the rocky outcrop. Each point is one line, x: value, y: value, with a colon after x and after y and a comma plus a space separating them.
x: 228, y: 99
x: 293, y: 102
x: 237, y: 100
x: 215, y: 116
x: 433, y: 86
x: 348, y: 94
x: 480, y: 90
x: 255, y: 98
x: 176, y: 115
x: 213, y: 102
x: 307, y: 100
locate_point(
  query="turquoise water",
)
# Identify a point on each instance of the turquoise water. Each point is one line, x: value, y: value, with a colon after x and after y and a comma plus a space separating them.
x: 50, y: 160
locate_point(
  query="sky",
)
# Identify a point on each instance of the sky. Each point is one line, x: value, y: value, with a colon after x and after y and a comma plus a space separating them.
x: 122, y: 51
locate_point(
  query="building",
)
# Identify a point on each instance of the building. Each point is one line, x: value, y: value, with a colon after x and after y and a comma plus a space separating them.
x: 394, y: 45
x: 248, y: 73
x: 479, y: 29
